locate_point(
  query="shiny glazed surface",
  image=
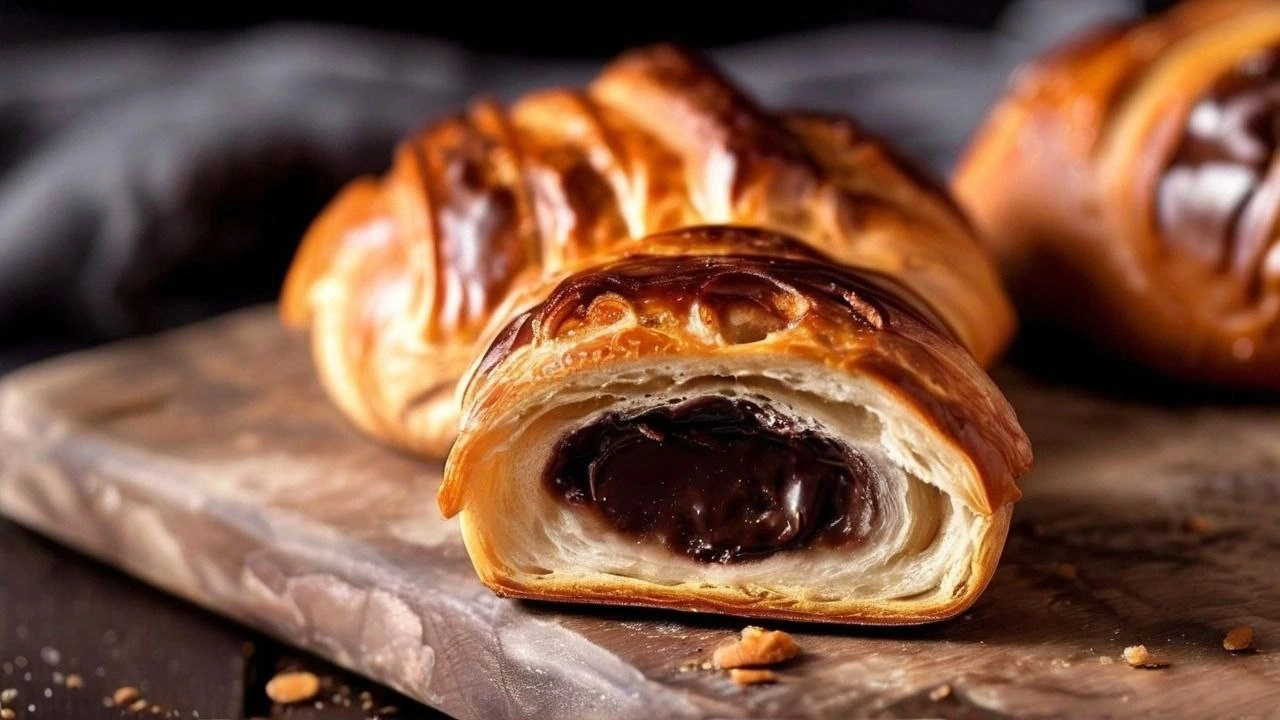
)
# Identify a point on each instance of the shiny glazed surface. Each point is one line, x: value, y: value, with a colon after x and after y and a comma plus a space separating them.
x: 738, y: 298
x: 1219, y: 197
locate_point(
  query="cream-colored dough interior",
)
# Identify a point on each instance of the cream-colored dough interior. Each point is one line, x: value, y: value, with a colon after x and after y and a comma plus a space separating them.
x: 922, y: 550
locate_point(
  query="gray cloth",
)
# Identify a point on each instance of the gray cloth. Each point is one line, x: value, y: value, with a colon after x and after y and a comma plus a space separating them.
x: 146, y: 181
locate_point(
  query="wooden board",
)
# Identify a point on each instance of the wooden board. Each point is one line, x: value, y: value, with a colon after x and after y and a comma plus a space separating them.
x: 208, y: 462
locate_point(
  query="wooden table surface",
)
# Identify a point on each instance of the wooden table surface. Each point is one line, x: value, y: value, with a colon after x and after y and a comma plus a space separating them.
x: 208, y: 462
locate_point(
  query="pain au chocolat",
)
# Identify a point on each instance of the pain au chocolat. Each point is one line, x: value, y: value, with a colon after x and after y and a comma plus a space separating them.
x: 1130, y: 184
x: 695, y: 355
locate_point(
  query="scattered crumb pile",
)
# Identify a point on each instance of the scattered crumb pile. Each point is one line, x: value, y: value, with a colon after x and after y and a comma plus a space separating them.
x: 130, y: 698
x: 1237, y: 640
x: 754, y: 648
x: 749, y: 656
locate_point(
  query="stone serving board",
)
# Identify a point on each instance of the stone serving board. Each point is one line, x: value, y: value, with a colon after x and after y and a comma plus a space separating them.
x: 208, y: 462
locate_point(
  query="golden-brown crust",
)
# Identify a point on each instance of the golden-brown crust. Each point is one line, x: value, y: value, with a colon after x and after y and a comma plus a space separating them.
x: 862, y: 322
x: 716, y: 297
x: 1065, y: 179
x: 403, y: 280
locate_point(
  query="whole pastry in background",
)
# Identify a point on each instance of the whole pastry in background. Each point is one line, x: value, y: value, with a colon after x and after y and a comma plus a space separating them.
x: 1130, y: 185
x: 719, y: 359
x: 400, y: 277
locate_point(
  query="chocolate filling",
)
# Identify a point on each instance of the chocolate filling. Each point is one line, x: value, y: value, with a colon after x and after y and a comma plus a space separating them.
x: 720, y: 480
x: 1219, y: 196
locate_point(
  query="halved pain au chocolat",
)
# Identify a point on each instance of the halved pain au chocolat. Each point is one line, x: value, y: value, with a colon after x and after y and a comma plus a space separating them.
x: 709, y: 357
x: 770, y: 436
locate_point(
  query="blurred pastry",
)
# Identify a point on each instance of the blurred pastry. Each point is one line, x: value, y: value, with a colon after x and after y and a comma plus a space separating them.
x: 1129, y: 184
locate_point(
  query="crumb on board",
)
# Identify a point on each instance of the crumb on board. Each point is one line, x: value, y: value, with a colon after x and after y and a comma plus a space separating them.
x: 756, y: 647
x: 940, y: 693
x: 73, y: 681
x: 1197, y: 525
x: 1139, y: 657
x: 7, y: 714
x: 8, y: 695
x: 752, y: 676
x: 1068, y: 571
x: 293, y: 687
x: 1239, y: 638
x: 1136, y: 655
x: 138, y: 705
x: 125, y: 695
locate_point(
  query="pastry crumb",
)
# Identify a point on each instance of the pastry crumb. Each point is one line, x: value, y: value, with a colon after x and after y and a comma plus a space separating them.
x: 138, y: 705
x: 1136, y: 655
x: 125, y: 695
x: 1197, y: 525
x: 1106, y: 660
x: 73, y: 681
x: 8, y: 695
x: 1068, y: 571
x: 757, y: 676
x: 1139, y: 657
x: 7, y: 714
x: 293, y: 687
x: 1239, y: 638
x: 755, y: 647
x: 942, y: 692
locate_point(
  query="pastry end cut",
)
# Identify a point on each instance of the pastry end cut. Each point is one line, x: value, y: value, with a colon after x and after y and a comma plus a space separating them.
x: 762, y: 437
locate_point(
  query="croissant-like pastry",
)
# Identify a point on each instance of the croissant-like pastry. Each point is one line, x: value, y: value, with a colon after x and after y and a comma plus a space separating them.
x: 1130, y: 184
x: 682, y: 392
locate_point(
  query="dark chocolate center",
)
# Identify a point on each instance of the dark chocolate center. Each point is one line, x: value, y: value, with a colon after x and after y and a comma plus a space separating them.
x: 718, y: 479
x: 1218, y: 197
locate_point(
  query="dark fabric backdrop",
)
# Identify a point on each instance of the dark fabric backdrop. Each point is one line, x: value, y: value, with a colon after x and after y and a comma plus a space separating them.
x: 155, y: 176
